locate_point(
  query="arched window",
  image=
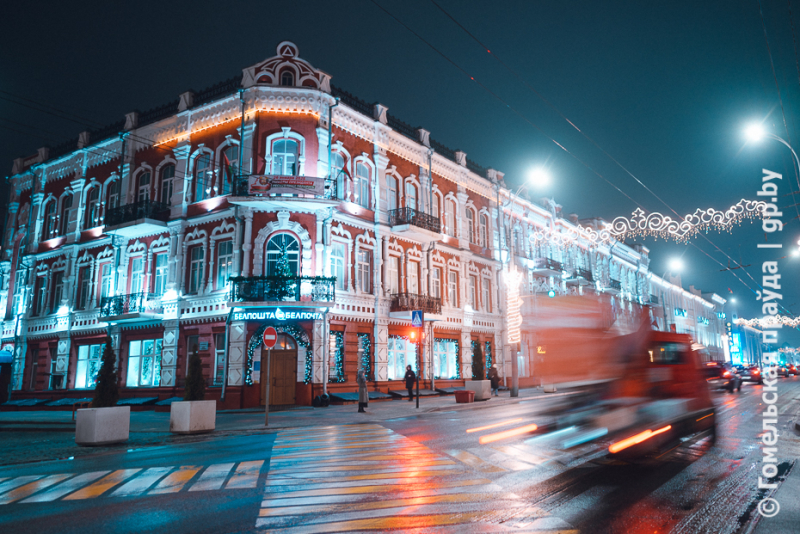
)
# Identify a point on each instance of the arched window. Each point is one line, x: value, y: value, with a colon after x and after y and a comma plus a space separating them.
x: 284, y: 157
x: 451, y: 218
x: 484, y: 230
x: 230, y: 168
x: 92, y: 208
x: 66, y: 211
x: 411, y: 196
x: 287, y: 78
x: 285, y: 342
x: 143, y: 186
x: 112, y: 195
x: 362, y: 184
x: 338, y: 173
x: 471, y: 225
x: 283, y: 256
x: 391, y: 192
x: 50, y: 219
x: 167, y: 177
x: 435, y: 206
x: 201, y: 176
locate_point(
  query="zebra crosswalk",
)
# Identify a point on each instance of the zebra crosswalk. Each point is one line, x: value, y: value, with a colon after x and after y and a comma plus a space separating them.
x: 368, y: 478
x: 129, y: 482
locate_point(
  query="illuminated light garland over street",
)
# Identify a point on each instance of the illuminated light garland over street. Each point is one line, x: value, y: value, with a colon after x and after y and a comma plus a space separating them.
x: 769, y: 321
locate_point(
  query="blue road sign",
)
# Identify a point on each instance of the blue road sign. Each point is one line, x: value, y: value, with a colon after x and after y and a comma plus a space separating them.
x: 417, y: 317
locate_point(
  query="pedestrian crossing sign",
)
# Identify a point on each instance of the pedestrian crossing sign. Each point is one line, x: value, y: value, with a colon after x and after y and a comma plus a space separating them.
x: 416, y: 318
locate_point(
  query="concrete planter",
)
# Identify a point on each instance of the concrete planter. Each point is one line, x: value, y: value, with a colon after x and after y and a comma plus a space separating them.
x: 481, y: 388
x: 192, y: 417
x: 102, y: 426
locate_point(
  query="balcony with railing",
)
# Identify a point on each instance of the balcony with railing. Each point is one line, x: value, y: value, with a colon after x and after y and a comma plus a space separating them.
x: 582, y: 277
x: 131, y: 307
x: 284, y: 192
x: 407, y: 302
x: 415, y: 224
x: 547, y: 267
x: 613, y: 286
x: 653, y: 299
x: 304, y: 291
x: 133, y: 219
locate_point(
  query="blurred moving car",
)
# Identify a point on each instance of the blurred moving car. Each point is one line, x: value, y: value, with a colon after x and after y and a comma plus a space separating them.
x: 792, y: 369
x: 750, y: 373
x: 782, y: 370
x: 723, y: 375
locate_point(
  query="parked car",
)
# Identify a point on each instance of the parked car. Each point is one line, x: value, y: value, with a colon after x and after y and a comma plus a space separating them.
x: 751, y: 373
x: 792, y: 369
x: 723, y: 375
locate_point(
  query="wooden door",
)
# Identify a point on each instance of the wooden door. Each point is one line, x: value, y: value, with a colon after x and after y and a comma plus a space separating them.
x: 283, y: 377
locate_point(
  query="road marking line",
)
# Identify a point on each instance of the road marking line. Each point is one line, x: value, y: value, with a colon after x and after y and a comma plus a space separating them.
x: 362, y: 460
x: 67, y: 487
x: 102, y: 485
x: 212, y: 478
x: 31, y: 488
x: 473, y: 461
x: 407, y: 471
x: 175, y: 481
x: 406, y: 522
x: 379, y: 477
x: 331, y: 452
x: 141, y: 483
x: 520, y: 454
x: 360, y: 466
x: 245, y: 476
x: 346, y: 488
x: 17, y: 482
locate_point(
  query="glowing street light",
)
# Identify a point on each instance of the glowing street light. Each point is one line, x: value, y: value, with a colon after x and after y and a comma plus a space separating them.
x: 755, y: 132
x: 538, y: 177
x: 675, y: 265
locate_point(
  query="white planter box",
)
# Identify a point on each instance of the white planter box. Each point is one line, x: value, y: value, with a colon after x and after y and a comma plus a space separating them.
x: 101, y: 426
x: 482, y: 388
x: 192, y: 417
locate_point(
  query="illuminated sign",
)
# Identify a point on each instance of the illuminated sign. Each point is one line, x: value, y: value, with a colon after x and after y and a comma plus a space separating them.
x: 277, y: 315
x: 703, y: 320
x: 720, y: 315
x: 680, y: 312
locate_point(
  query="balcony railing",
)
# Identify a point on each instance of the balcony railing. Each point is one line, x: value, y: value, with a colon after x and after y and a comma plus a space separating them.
x: 550, y: 264
x: 586, y: 274
x: 615, y: 284
x: 415, y: 218
x: 653, y: 299
x: 283, y: 289
x: 132, y: 303
x: 144, y: 209
x: 412, y: 301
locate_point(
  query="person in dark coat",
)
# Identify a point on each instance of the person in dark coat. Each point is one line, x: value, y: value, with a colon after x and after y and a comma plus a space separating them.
x: 363, y: 396
x: 494, y: 376
x: 410, y: 379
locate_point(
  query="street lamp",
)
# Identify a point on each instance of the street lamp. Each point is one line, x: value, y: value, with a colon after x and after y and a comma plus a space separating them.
x: 755, y: 132
x: 675, y: 265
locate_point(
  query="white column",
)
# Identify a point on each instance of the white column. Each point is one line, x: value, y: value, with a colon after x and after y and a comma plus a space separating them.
x: 248, y: 239
x: 381, y: 349
x: 237, y: 353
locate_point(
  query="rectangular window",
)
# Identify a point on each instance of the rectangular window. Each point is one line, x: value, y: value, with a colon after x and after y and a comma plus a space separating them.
x: 219, y: 359
x: 137, y: 274
x: 452, y: 288
x: 196, y: 269
x: 160, y: 284
x: 167, y: 176
x: 411, y: 196
x: 486, y: 295
x: 144, y: 363
x: 106, y: 280
x: 473, y: 282
x: 84, y: 288
x: 436, y: 283
x: 337, y: 265
x: 224, y: 263
x: 40, y: 296
x: 19, y: 291
x: 364, y: 270
x: 483, y: 231
x: 413, y: 277
x: 144, y: 187
x: 88, y: 365
x: 58, y: 291
x: 445, y: 359
x: 401, y: 353
x: 394, y: 275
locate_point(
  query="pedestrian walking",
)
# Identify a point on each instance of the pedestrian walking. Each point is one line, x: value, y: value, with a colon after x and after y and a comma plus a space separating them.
x: 363, y: 396
x: 494, y: 377
x: 410, y: 379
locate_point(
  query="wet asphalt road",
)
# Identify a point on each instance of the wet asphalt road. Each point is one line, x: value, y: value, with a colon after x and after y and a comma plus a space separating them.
x: 417, y: 474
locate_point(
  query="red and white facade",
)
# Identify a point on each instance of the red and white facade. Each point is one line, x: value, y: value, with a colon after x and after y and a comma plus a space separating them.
x: 138, y: 235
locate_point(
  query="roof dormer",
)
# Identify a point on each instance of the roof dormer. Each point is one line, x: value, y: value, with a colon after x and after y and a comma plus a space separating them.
x: 286, y: 69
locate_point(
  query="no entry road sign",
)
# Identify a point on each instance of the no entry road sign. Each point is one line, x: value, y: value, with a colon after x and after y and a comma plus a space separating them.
x: 270, y: 337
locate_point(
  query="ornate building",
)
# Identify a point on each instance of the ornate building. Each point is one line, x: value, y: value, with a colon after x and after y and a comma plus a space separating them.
x: 277, y: 199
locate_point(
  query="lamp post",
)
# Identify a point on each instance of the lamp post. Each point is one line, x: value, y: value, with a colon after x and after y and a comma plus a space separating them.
x: 756, y: 132
x: 675, y: 265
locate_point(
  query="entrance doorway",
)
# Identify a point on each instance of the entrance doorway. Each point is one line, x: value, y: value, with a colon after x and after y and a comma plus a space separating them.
x: 283, y: 372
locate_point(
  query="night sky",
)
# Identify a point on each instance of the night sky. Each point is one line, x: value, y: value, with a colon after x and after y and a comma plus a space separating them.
x: 665, y: 88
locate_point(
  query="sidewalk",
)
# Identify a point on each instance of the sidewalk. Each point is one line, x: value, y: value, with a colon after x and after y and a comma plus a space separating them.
x: 33, y: 436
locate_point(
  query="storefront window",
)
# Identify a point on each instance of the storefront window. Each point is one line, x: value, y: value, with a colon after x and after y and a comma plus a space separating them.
x: 144, y: 363
x: 88, y: 366
x: 401, y: 353
x: 445, y: 358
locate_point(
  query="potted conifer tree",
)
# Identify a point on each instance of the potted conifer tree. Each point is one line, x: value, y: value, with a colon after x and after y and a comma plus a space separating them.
x: 193, y: 415
x: 104, y: 422
x: 479, y: 384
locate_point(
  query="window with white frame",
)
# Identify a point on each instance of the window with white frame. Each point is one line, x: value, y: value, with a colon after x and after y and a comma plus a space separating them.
x: 219, y: 359
x: 160, y: 280
x: 50, y: 220
x: 413, y: 277
x: 365, y: 270
x: 284, y: 157
x: 450, y: 217
x: 471, y: 225
x: 137, y: 275
x: 394, y: 275
x: 202, y: 177
x: 473, y: 291
x: 362, y: 184
x: 143, y: 186
x: 287, y: 78
x: 89, y: 358
x: 230, y: 168
x: 167, y: 179
x: 92, y: 217
x: 144, y: 363
x: 338, y: 174
x: 411, y: 196
x: 435, y: 206
x: 338, y: 261
x: 483, y: 232
x: 66, y: 211
x: 391, y: 192
x: 84, y: 288
x: 486, y: 294
x: 224, y: 262
x: 402, y: 352
x: 112, y: 195
x: 197, y: 255
x: 58, y: 290
x: 40, y: 296
x: 436, y: 282
x: 106, y: 280
x: 445, y: 359
x: 19, y: 291
x: 286, y: 246
x: 452, y: 288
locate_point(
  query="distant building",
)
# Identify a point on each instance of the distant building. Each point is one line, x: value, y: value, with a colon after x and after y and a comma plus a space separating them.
x: 202, y: 222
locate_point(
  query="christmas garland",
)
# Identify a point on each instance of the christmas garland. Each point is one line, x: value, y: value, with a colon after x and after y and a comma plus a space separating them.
x: 458, y: 363
x: 299, y: 336
x: 339, y: 362
x: 365, y: 343
x: 488, y: 355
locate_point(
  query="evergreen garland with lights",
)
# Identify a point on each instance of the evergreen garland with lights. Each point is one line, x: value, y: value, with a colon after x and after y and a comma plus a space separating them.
x: 458, y: 355
x: 365, y: 343
x: 338, y: 364
x: 488, y: 355
x: 299, y: 336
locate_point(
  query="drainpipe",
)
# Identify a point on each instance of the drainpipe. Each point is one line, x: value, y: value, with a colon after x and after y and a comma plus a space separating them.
x: 330, y: 142
x: 430, y: 183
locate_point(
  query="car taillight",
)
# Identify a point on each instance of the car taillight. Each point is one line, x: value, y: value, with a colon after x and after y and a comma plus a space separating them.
x: 755, y: 372
x: 726, y: 373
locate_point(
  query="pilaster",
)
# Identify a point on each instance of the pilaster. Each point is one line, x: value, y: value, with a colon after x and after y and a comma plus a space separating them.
x: 466, y: 354
x: 381, y: 349
x: 318, y: 341
x: 237, y: 353
x: 248, y: 242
